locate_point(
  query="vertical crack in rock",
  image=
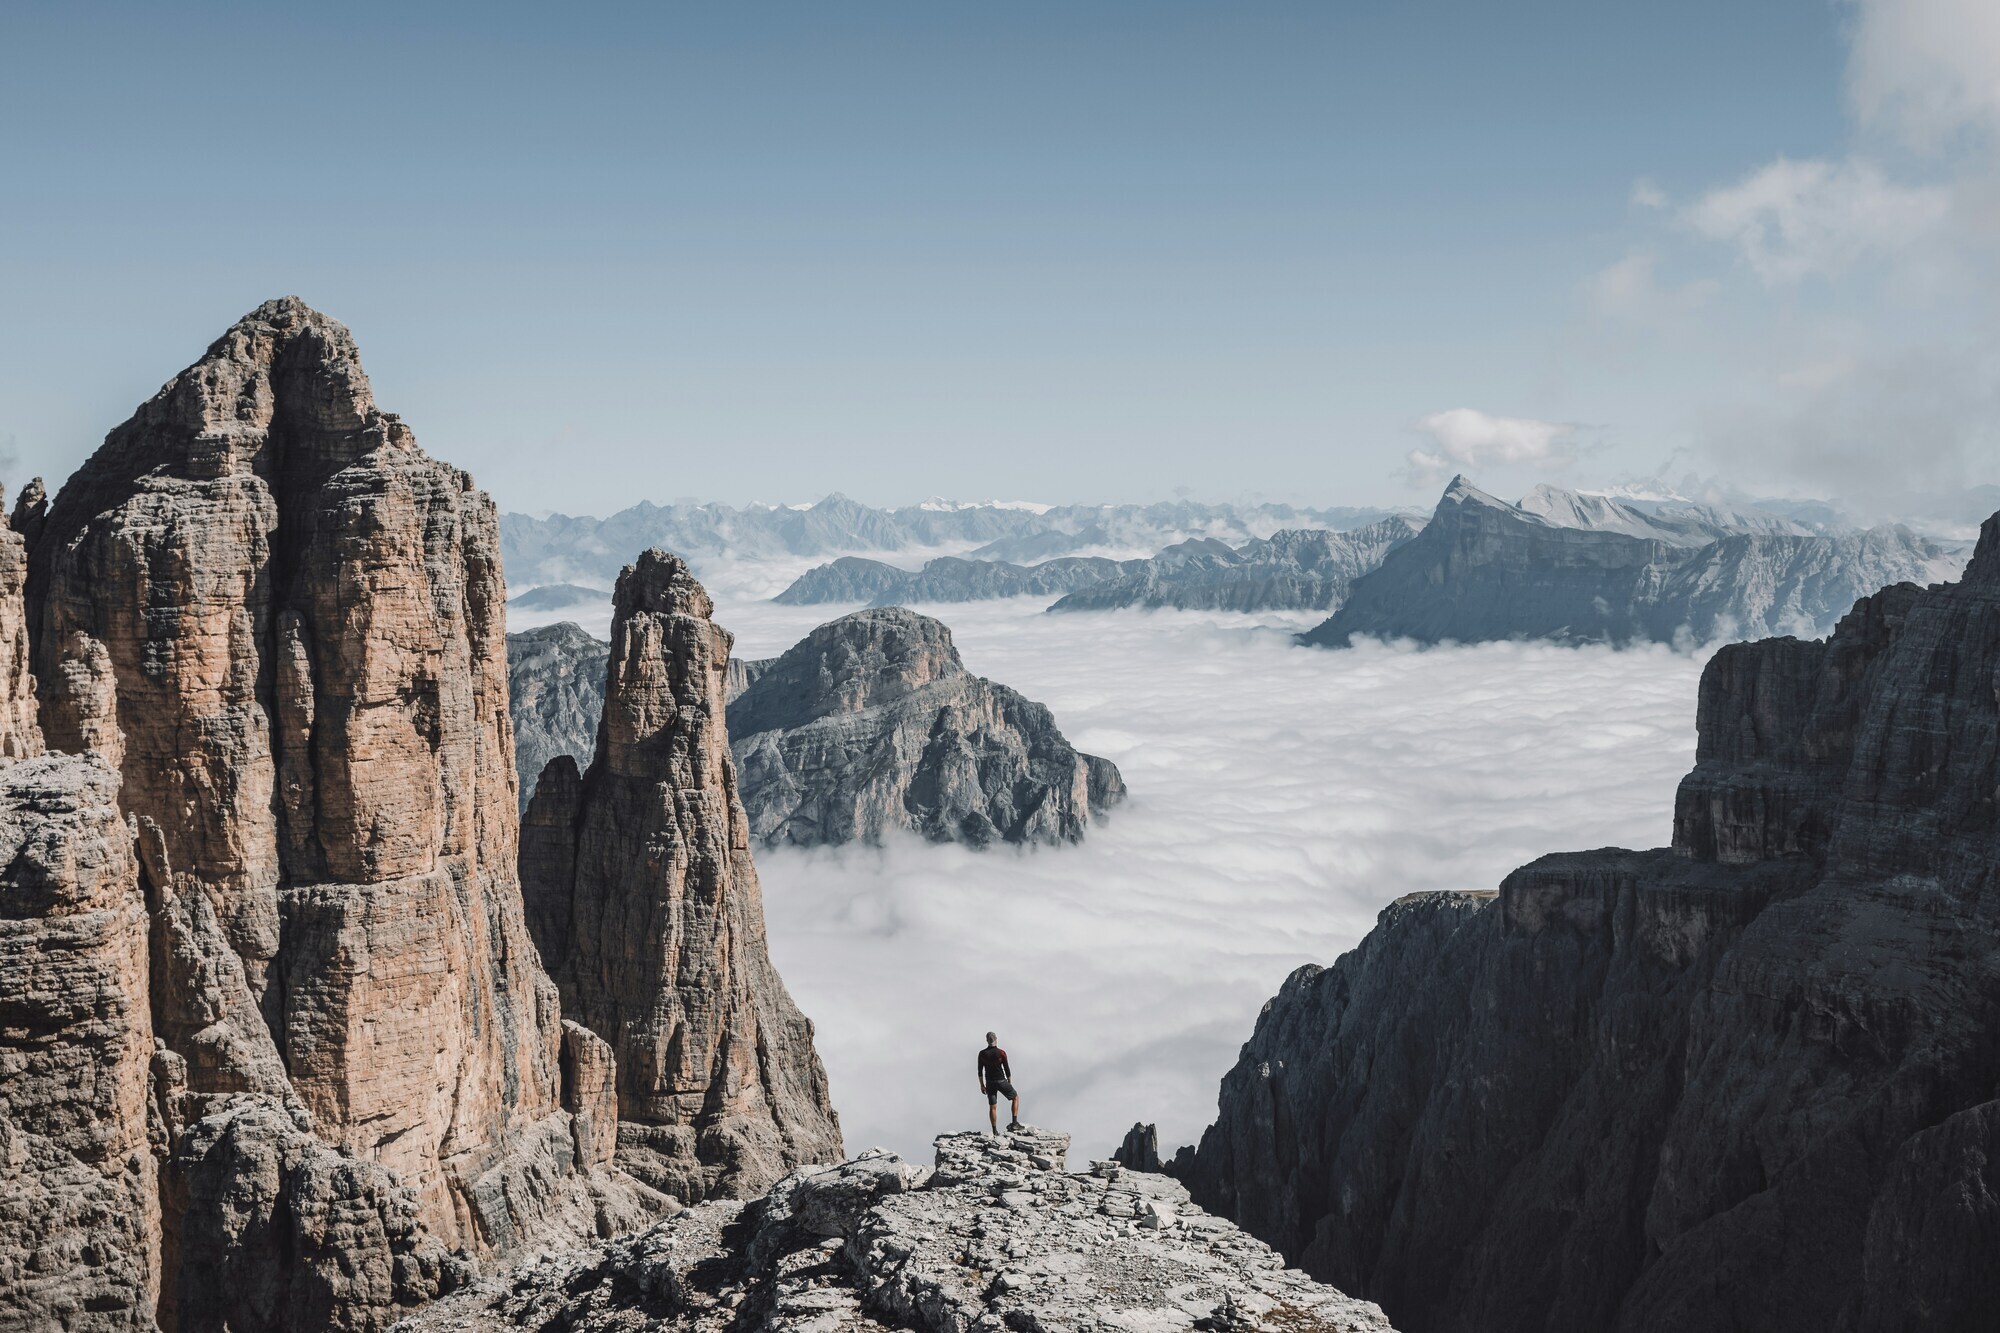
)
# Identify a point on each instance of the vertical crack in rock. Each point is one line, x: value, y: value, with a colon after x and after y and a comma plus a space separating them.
x: 661, y: 950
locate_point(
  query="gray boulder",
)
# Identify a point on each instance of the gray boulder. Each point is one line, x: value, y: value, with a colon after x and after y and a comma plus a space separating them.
x: 872, y: 723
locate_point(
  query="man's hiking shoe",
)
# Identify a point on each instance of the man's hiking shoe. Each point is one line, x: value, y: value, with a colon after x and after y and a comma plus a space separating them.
x: 1015, y: 1126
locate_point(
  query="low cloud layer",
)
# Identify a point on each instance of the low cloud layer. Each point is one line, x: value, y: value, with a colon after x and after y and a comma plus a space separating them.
x: 1280, y: 798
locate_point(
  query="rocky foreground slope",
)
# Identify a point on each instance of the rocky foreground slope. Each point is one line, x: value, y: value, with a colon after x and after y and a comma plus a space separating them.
x: 1748, y: 1081
x: 1483, y: 569
x: 997, y: 1235
x: 871, y: 723
x: 276, y: 1048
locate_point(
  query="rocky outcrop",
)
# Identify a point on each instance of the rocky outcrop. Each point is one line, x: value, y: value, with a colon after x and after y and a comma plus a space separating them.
x: 280, y: 625
x: 555, y: 688
x: 997, y: 1235
x: 1310, y: 570
x: 79, y: 1222
x: 1483, y: 569
x: 647, y: 910
x: 872, y: 723
x: 1746, y: 1081
x: 946, y: 579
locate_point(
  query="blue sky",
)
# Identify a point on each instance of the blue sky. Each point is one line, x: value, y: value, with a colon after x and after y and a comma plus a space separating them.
x: 1319, y: 252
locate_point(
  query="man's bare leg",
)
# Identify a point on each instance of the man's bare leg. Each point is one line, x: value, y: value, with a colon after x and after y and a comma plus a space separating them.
x: 993, y: 1114
x: 1017, y: 1112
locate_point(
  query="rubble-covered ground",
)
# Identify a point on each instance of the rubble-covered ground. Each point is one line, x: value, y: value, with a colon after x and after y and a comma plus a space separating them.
x: 997, y: 1235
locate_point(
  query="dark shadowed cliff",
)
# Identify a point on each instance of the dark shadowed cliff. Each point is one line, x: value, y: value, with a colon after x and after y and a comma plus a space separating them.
x: 1751, y: 1081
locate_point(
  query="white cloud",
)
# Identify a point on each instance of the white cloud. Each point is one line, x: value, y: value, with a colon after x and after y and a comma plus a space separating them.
x: 1281, y: 797
x: 1630, y: 290
x: 1796, y: 219
x: 1465, y: 437
x: 1645, y: 194
x: 1927, y: 69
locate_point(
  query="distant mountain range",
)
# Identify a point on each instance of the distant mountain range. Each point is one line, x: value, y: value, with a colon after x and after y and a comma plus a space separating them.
x: 561, y: 549
x: 1586, y: 569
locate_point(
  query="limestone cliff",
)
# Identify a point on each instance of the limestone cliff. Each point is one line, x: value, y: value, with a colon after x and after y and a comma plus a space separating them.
x: 1483, y: 569
x: 649, y: 914
x: 999, y: 1234
x: 1748, y: 1081
x: 871, y: 723
x: 279, y: 625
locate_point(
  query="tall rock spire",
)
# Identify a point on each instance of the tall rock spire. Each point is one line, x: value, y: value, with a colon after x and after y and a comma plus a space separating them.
x: 282, y: 624
x: 719, y: 1089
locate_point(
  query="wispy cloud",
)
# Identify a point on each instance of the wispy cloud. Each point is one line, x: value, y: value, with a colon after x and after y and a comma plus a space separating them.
x: 1792, y: 220
x: 1926, y: 70
x: 1465, y: 437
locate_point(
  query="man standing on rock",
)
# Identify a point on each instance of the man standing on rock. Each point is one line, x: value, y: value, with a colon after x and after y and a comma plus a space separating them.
x: 996, y: 1078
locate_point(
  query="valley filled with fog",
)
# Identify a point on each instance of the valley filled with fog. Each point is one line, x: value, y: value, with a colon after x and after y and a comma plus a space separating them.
x: 1280, y: 797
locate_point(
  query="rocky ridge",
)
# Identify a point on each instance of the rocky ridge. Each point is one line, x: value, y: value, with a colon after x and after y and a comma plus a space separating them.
x: 872, y: 723
x: 1483, y: 569
x: 998, y: 1234
x: 1746, y: 1081
x: 646, y: 908
x: 945, y: 579
x: 559, y: 548
x: 1309, y: 569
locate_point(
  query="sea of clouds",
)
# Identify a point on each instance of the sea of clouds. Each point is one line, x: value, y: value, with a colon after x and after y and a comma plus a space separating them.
x: 1280, y: 797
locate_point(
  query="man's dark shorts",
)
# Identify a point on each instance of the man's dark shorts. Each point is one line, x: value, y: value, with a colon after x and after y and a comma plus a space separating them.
x: 994, y: 1091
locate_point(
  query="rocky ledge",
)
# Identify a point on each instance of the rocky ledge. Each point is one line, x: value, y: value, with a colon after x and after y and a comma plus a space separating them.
x: 997, y: 1235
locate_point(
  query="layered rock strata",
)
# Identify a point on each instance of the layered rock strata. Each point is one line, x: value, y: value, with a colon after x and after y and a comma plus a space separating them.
x: 647, y: 910
x: 997, y: 1235
x: 1483, y: 569
x: 872, y: 724
x: 279, y: 625
x: 1748, y: 1081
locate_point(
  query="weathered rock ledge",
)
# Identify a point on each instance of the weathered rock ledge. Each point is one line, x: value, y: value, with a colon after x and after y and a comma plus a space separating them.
x: 997, y: 1235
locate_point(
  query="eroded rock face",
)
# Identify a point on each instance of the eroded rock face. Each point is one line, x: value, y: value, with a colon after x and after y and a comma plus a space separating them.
x: 1746, y: 1081
x: 997, y: 1235
x: 79, y: 1231
x: 871, y: 724
x: 280, y: 625
x: 662, y: 950
x: 555, y: 685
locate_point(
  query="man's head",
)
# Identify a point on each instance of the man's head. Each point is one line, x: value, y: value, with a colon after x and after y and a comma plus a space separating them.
x: 990, y: 1039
